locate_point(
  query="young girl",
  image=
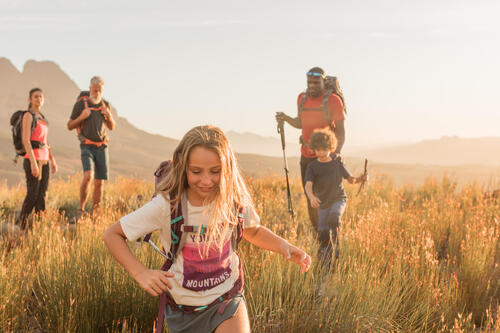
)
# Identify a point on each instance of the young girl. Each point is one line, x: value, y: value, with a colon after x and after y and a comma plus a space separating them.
x: 205, y: 180
x: 37, y: 157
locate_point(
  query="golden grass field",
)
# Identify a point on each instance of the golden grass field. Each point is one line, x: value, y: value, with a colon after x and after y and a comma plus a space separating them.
x: 412, y: 259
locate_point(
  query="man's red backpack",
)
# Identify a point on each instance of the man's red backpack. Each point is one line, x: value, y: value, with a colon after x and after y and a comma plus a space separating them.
x: 331, y: 86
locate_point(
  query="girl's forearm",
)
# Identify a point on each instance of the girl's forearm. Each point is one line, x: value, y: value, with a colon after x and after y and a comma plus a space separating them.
x: 265, y: 239
x: 29, y: 150
x: 51, y: 157
x: 122, y: 253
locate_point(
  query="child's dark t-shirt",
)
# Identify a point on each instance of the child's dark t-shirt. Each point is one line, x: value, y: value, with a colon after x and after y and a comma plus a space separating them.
x: 327, y: 181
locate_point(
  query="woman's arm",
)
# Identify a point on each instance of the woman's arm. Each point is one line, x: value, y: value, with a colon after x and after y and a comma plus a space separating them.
x: 155, y: 282
x: 26, y: 138
x: 53, y: 163
x: 266, y: 239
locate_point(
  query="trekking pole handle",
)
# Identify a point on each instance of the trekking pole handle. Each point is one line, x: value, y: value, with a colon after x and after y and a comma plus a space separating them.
x: 365, y: 173
x: 281, y: 132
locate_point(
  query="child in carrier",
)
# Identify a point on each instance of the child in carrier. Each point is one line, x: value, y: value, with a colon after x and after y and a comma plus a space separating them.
x: 204, y: 191
x: 325, y: 190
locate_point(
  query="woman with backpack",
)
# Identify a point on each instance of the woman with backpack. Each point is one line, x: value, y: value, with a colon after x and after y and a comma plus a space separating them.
x: 37, y: 158
x: 202, y: 209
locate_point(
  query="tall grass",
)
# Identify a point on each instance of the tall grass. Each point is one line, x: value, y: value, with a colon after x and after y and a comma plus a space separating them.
x: 419, y: 259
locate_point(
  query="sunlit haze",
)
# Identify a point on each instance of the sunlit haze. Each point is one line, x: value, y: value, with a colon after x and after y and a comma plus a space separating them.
x: 410, y: 70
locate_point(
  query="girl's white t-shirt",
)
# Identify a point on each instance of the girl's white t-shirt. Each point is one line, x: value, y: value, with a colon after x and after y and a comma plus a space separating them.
x: 197, y: 280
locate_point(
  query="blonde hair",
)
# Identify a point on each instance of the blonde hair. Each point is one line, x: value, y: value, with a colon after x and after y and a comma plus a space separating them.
x: 231, y: 192
x: 322, y: 139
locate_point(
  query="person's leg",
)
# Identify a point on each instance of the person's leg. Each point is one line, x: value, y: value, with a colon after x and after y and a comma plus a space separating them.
x: 85, y: 188
x: 101, y: 174
x: 87, y: 162
x: 313, y: 212
x: 98, y: 190
x: 42, y: 191
x: 334, y: 216
x: 239, y: 323
x: 32, y: 185
x: 325, y: 249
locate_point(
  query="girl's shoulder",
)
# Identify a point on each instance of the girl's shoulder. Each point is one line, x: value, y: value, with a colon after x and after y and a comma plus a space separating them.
x: 250, y: 216
x: 28, y: 115
x: 162, y: 201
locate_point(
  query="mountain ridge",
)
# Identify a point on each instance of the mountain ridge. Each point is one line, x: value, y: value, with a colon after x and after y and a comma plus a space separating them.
x: 135, y: 152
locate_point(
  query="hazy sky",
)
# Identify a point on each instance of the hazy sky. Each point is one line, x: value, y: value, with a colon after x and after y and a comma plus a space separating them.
x: 410, y: 70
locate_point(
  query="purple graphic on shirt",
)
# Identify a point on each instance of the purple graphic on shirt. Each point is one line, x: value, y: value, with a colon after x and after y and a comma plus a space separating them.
x: 207, y: 272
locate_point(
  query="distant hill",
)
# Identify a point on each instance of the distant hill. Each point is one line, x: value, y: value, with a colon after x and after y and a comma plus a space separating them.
x: 134, y: 152
x: 250, y: 143
x: 447, y: 151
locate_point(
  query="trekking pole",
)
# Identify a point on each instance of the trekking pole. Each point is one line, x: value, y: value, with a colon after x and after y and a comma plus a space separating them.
x: 281, y: 131
x: 365, y: 173
x: 157, y: 249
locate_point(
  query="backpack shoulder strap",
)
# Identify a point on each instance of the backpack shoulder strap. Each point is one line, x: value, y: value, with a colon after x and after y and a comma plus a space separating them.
x: 44, y: 119
x: 176, y: 234
x: 302, y: 102
x: 238, y: 231
x: 177, y: 227
x: 326, y: 108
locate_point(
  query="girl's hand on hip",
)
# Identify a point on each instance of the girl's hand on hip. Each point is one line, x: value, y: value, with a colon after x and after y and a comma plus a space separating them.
x: 297, y: 256
x: 155, y: 282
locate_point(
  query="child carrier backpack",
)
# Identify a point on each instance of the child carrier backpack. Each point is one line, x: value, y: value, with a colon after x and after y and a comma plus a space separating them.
x: 84, y: 96
x: 331, y: 86
x: 177, y: 229
x: 16, y: 121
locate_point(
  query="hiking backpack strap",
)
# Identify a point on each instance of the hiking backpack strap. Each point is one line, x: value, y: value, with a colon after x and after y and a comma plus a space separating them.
x: 326, y: 109
x: 238, y: 232
x: 177, y: 239
x: 79, y: 129
x: 34, y: 143
x: 34, y: 121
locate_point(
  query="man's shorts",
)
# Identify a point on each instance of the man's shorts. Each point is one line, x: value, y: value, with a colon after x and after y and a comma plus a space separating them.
x: 97, y: 159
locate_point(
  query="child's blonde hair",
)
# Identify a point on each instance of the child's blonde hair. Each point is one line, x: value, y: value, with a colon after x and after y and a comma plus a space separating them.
x: 231, y: 193
x: 322, y: 139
